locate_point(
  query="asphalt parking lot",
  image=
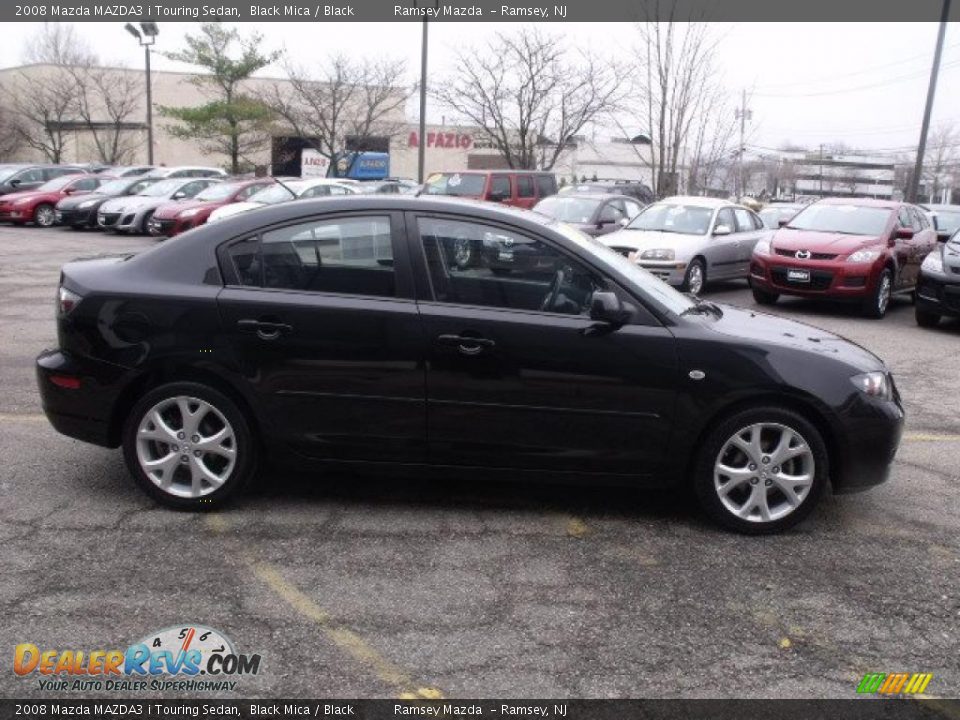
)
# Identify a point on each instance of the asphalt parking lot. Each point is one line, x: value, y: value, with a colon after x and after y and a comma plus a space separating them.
x: 359, y: 587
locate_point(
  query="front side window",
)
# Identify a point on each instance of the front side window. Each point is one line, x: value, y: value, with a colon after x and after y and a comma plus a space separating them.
x: 476, y: 264
x: 744, y: 220
x: 524, y: 186
x: 725, y: 218
x: 85, y: 184
x: 349, y: 256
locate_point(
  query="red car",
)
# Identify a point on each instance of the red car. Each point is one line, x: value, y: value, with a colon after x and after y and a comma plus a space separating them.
x: 177, y: 217
x: 519, y: 188
x: 37, y: 205
x: 844, y: 248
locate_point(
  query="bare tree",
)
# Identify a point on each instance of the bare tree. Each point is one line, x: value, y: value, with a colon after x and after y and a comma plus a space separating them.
x: 9, y: 133
x: 940, y: 160
x: 529, y: 95
x: 58, y: 44
x: 342, y: 104
x: 105, y: 102
x: 712, y: 147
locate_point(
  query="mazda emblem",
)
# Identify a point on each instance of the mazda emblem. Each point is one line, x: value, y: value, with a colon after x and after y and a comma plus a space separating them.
x: 803, y: 255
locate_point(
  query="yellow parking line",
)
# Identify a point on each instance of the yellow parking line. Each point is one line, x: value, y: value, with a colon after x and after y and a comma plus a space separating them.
x: 930, y: 437
x: 22, y: 417
x: 577, y: 528
x: 344, y: 638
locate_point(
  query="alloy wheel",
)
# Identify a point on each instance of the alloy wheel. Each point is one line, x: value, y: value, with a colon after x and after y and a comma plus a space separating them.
x: 186, y: 447
x: 883, y: 294
x: 764, y: 472
x: 695, y: 281
x: 44, y: 216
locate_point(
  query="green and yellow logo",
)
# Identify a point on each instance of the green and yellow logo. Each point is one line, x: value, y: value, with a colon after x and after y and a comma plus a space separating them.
x: 894, y: 683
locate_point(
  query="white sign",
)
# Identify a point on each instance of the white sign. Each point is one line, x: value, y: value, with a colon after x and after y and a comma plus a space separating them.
x: 313, y: 164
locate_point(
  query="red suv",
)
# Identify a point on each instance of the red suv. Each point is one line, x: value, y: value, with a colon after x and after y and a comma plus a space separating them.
x: 520, y: 188
x: 844, y: 248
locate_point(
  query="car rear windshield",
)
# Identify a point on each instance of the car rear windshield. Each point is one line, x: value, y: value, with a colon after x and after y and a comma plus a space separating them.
x: 458, y: 184
x: 568, y: 209
x: 844, y: 219
x: 948, y: 221
x: 673, y: 218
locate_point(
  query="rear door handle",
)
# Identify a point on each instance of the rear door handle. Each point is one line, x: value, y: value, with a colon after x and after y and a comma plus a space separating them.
x: 264, y: 329
x: 466, y: 344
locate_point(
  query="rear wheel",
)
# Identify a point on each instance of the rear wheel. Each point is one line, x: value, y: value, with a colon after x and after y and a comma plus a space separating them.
x: 926, y: 318
x: 695, y: 278
x: 762, y: 297
x: 145, y: 222
x: 44, y: 216
x: 876, y: 305
x: 189, y: 446
x: 761, y: 470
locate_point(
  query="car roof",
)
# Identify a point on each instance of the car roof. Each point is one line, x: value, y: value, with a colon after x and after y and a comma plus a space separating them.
x: 707, y: 202
x: 943, y: 207
x: 862, y: 202
x: 504, y: 171
x: 591, y: 196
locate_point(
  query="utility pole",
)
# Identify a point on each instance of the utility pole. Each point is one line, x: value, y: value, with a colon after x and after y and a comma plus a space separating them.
x: 821, y: 169
x: 928, y: 110
x: 744, y: 115
x: 422, y: 145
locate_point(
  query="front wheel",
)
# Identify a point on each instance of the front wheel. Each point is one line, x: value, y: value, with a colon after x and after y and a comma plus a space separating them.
x: 44, y: 216
x: 144, y: 224
x: 926, y: 318
x: 761, y: 470
x: 695, y: 278
x: 876, y: 305
x: 189, y: 446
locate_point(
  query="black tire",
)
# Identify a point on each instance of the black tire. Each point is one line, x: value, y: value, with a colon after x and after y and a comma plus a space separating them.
x: 146, y: 221
x: 43, y: 215
x: 872, y: 306
x: 708, y: 455
x: 78, y: 227
x: 245, y: 447
x: 925, y: 318
x: 695, y: 265
x: 762, y: 297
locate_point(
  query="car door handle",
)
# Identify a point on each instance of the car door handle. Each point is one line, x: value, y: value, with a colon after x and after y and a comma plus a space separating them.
x: 467, y: 344
x: 264, y: 329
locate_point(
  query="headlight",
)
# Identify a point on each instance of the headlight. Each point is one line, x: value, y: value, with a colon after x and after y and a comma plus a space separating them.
x: 762, y: 247
x: 874, y: 384
x: 933, y: 262
x: 86, y: 203
x: 658, y: 254
x: 189, y: 212
x: 864, y: 256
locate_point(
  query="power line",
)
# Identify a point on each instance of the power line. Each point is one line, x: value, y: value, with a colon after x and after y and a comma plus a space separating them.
x: 844, y: 91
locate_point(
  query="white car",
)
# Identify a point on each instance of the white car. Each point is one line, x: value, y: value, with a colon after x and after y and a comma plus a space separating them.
x: 285, y: 191
x: 688, y: 241
x: 131, y: 213
x: 187, y: 171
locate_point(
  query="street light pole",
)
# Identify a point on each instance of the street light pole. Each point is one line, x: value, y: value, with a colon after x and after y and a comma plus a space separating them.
x: 147, y: 36
x: 928, y: 110
x: 422, y: 145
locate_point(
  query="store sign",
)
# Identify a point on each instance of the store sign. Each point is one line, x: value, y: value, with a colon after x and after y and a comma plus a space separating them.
x: 313, y: 164
x: 449, y: 140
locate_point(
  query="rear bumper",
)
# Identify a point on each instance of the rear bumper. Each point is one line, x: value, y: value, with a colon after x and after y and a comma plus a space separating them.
x: 826, y: 279
x: 939, y: 294
x: 84, y: 412
x: 874, y: 429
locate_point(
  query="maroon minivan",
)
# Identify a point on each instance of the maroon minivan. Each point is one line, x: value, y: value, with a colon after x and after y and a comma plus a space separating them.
x: 520, y: 188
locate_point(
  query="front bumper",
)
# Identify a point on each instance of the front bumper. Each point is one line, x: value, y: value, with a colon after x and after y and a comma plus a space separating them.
x: 120, y: 221
x: 75, y: 217
x: 15, y: 215
x: 873, y: 429
x: 167, y: 227
x: 940, y: 293
x: 672, y: 272
x: 84, y: 412
x: 772, y: 274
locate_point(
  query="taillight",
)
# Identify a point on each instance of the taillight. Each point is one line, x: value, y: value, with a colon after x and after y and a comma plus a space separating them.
x: 66, y: 301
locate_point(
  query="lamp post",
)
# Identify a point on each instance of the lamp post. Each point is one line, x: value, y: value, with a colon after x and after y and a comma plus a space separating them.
x: 147, y: 36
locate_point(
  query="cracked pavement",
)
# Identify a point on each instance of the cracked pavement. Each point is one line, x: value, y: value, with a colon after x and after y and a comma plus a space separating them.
x: 359, y: 587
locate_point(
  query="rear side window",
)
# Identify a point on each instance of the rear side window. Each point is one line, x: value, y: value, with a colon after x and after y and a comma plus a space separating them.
x: 744, y: 221
x: 348, y: 256
x: 546, y: 185
x: 525, y: 186
x: 500, y: 186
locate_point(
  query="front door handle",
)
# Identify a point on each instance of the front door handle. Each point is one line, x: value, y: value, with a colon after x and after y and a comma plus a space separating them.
x: 467, y: 344
x: 264, y: 329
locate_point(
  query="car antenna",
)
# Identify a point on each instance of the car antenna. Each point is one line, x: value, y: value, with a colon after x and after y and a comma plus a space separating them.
x: 285, y: 186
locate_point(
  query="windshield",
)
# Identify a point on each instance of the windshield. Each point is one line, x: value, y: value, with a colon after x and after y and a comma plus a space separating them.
x: 6, y: 172
x: 162, y: 188
x: 673, y: 218
x: 845, y: 219
x: 57, y: 183
x: 275, y: 194
x: 568, y: 209
x: 217, y: 192
x: 644, y: 282
x: 114, y: 187
x: 457, y: 184
x: 948, y: 221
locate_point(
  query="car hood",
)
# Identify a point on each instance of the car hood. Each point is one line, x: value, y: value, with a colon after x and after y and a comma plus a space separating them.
x: 821, y: 242
x: 29, y: 195
x: 651, y: 240
x: 172, y: 209
x: 132, y: 203
x: 233, y: 209
x: 756, y: 329
x: 71, y: 201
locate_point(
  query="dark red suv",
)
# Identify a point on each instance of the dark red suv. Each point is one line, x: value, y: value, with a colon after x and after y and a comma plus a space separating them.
x: 844, y: 248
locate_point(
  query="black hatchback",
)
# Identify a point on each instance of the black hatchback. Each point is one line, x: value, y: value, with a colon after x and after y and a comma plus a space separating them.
x: 344, y: 331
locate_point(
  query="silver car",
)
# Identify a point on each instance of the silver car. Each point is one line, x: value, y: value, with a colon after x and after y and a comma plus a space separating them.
x: 688, y: 241
x: 132, y: 213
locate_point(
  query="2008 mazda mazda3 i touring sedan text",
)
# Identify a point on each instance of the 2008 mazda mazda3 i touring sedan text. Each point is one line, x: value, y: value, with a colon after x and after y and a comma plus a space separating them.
x: 349, y: 331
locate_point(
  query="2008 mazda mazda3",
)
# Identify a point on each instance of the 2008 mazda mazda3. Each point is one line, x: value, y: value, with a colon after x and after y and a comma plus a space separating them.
x: 352, y: 331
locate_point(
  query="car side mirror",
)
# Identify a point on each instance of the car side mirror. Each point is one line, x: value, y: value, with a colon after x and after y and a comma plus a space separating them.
x: 606, y: 307
x: 623, y: 222
x: 782, y: 222
x: 903, y: 233
x: 721, y: 230
x: 943, y: 235
x: 179, y: 195
x: 15, y: 182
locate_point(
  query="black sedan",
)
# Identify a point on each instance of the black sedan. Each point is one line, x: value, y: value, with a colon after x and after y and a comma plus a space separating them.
x: 339, y: 331
x: 80, y: 211
x: 938, y: 285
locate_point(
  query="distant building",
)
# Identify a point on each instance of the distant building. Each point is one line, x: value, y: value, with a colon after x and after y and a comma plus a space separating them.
x: 812, y: 175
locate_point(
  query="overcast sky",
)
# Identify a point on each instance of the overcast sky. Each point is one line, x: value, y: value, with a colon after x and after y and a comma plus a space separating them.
x: 863, y: 84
